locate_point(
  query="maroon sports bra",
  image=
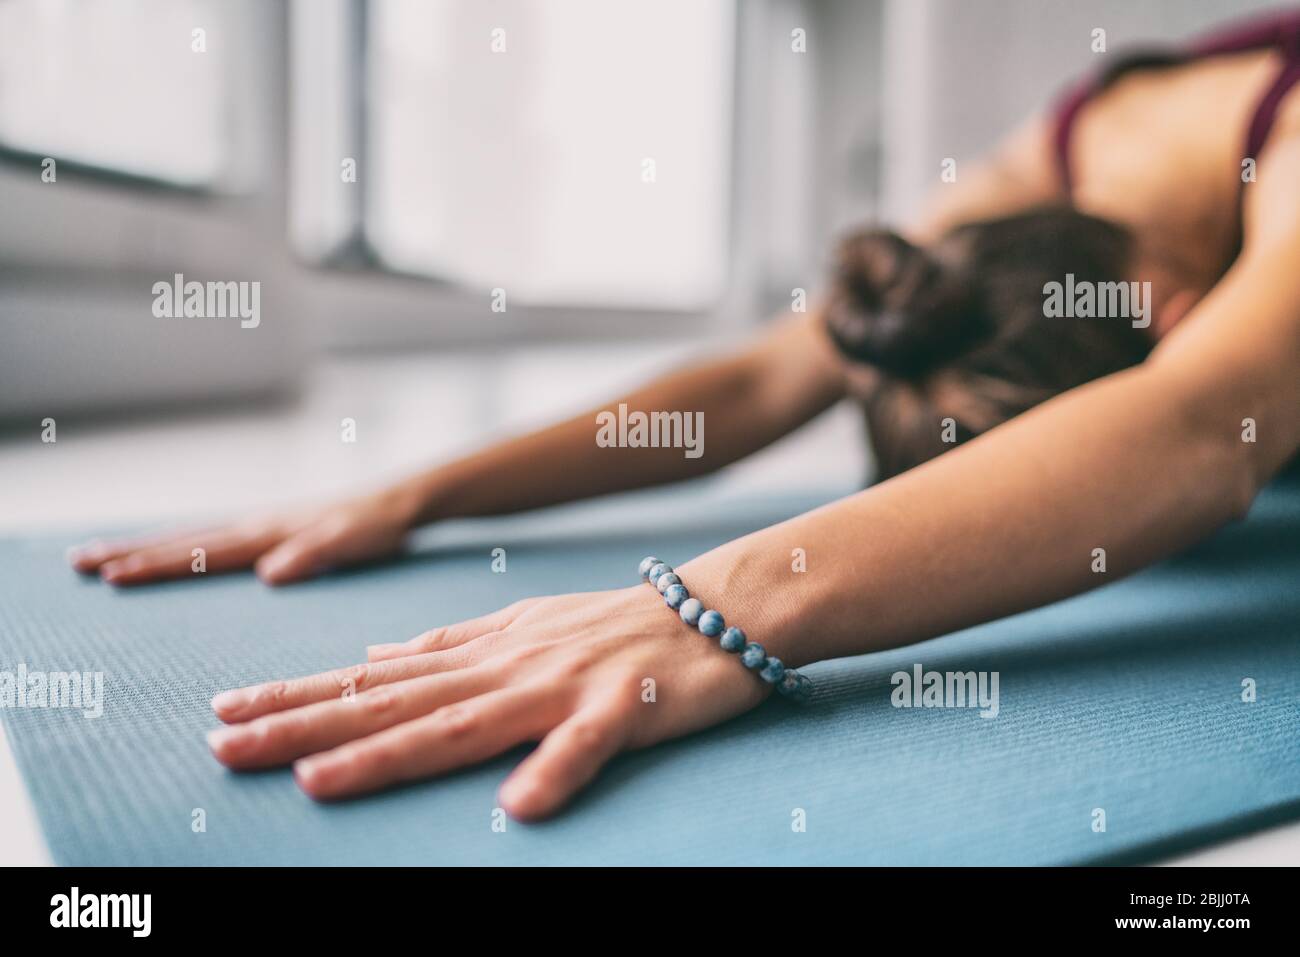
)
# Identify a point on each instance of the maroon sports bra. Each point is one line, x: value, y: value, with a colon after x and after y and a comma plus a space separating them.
x: 1278, y: 30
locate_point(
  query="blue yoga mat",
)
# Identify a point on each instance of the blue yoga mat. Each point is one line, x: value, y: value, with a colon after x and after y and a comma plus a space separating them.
x: 1127, y: 700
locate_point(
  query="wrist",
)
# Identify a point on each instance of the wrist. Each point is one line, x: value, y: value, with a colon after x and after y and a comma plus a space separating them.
x: 756, y: 588
x: 419, y: 499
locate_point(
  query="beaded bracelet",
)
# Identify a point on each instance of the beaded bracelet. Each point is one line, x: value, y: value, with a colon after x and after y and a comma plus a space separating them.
x: 789, y: 682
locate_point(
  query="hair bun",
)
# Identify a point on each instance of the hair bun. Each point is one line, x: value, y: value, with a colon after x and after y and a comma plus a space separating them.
x: 898, y: 307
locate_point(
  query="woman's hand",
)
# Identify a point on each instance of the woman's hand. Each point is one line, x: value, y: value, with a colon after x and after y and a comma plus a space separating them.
x: 281, y: 547
x: 587, y: 675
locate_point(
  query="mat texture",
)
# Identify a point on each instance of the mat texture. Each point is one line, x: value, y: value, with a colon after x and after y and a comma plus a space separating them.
x: 1128, y: 699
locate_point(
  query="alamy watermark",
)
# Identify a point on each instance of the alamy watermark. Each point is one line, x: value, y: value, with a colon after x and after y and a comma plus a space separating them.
x: 639, y: 430
x: 130, y: 911
x: 81, y: 690
x: 1083, y: 299
x: 212, y: 300
x: 949, y: 689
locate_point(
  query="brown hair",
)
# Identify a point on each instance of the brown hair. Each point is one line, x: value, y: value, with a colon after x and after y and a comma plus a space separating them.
x: 958, y: 329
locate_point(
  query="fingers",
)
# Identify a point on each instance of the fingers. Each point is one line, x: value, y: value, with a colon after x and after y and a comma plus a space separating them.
x: 453, y: 736
x: 280, y: 737
x: 451, y: 636
x: 246, y: 704
x: 92, y: 555
x: 325, y: 545
x: 224, y: 552
x: 88, y: 557
x: 566, y: 760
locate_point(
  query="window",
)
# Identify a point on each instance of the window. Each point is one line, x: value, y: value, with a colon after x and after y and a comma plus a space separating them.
x: 575, y: 153
x: 127, y: 86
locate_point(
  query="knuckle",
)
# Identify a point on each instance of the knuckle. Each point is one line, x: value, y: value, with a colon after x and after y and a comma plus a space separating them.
x: 349, y: 680
x: 456, y: 720
x: 379, y: 701
x: 276, y: 693
x: 354, y: 676
x: 431, y: 640
x: 588, y: 734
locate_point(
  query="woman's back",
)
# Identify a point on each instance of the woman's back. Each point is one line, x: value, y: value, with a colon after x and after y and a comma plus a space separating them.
x: 1161, y: 149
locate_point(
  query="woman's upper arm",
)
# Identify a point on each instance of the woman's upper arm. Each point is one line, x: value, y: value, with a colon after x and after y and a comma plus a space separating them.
x: 1237, y: 354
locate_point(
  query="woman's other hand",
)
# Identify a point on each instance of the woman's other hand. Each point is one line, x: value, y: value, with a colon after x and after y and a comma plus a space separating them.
x: 283, y: 547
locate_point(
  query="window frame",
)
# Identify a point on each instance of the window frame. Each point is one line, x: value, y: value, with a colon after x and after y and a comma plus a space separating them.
x: 421, y: 309
x: 346, y: 298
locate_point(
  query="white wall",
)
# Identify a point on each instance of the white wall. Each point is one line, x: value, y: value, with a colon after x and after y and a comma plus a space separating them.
x: 961, y: 72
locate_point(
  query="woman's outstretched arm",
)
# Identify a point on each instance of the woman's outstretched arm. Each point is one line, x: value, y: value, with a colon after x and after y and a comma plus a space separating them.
x: 745, y: 400
x: 1141, y: 463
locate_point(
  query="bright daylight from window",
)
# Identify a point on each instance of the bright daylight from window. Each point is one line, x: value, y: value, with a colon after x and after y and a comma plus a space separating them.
x: 585, y: 161
x: 105, y: 84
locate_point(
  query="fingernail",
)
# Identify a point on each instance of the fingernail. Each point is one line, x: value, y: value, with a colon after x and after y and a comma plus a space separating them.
x: 308, y: 773
x: 223, y: 740
x: 515, y: 796
x: 229, y: 701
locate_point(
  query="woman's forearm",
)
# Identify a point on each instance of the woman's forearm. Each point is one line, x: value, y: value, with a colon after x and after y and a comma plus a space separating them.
x: 1006, y: 523
x: 732, y: 406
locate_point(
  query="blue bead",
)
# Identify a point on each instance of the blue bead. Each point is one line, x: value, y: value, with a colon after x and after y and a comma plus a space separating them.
x: 652, y: 576
x: 647, y: 563
x: 711, y: 624
x: 674, y: 595
x: 690, y: 610
x: 733, y: 640
x: 795, y: 686
x: 773, y: 671
x: 753, y: 656
x: 665, y: 580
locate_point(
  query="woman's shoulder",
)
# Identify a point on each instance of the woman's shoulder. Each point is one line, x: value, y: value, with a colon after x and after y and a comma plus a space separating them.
x: 1271, y: 190
x: 1286, y: 126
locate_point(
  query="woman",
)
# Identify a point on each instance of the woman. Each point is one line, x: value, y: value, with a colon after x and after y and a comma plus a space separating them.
x: 1139, y: 433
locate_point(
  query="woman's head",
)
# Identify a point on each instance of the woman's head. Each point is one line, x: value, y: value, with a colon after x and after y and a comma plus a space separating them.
x: 959, y: 330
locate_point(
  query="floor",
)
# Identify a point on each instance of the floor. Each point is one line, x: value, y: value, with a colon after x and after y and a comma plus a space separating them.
x: 408, y: 412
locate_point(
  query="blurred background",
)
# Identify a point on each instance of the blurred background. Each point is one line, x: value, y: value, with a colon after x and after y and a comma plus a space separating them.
x: 643, y: 181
